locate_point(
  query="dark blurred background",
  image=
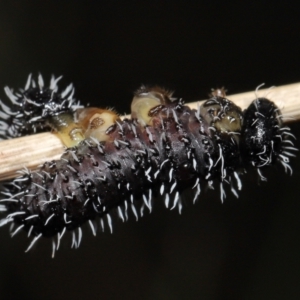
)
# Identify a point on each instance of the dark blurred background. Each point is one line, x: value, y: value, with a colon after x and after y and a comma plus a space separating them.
x: 246, y: 248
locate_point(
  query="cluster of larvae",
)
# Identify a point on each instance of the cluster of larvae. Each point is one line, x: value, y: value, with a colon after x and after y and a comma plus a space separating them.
x: 114, y: 165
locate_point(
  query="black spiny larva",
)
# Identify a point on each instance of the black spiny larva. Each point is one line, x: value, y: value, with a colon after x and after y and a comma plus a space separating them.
x: 264, y: 139
x: 124, y: 164
x: 33, y: 106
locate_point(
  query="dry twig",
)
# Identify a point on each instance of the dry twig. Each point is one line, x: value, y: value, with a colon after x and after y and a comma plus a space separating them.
x: 32, y: 151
